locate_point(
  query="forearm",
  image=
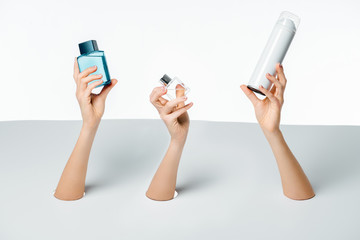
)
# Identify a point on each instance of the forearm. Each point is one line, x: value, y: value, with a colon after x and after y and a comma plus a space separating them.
x: 163, y: 184
x: 294, y: 181
x: 72, y: 182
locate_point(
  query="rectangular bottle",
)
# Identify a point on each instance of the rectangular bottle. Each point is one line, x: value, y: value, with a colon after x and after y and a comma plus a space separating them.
x: 91, y: 56
x: 175, y: 87
x: 274, y: 51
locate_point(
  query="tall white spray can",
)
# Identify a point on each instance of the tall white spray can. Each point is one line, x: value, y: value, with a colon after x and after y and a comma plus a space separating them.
x: 275, y: 50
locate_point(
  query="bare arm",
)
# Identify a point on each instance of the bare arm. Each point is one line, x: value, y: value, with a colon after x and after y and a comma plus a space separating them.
x: 163, y: 184
x: 72, y: 182
x: 294, y: 181
x: 175, y: 117
x: 71, y: 185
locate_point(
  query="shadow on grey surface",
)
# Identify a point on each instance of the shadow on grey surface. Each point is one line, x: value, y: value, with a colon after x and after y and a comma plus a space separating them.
x: 330, y: 154
x: 90, y: 187
x: 118, y: 160
x: 193, y: 184
x: 131, y: 150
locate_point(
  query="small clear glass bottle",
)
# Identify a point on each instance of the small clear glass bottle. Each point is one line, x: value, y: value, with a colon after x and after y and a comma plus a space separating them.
x: 175, y: 87
x: 92, y: 56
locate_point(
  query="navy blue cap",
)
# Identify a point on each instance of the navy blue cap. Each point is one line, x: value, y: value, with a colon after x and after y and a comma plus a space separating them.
x: 165, y: 79
x: 88, y: 46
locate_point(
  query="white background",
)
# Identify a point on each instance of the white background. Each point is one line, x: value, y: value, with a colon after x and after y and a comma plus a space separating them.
x: 213, y: 46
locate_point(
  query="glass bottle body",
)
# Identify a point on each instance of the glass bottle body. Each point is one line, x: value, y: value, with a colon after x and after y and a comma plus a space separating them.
x: 175, y: 88
x: 95, y: 58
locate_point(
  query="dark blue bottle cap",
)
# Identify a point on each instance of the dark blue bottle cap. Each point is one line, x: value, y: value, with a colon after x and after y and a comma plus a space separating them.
x: 88, y: 46
x: 165, y: 79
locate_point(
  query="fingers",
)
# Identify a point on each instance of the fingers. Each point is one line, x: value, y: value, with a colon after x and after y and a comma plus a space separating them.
x: 156, y: 94
x: 76, y: 70
x: 281, y: 75
x: 250, y: 94
x: 279, y: 87
x: 180, y: 91
x: 171, y: 105
x: 86, y: 72
x: 162, y: 100
x: 105, y: 91
x: 268, y: 94
x: 273, y: 89
x: 84, y: 81
x: 181, y: 111
x: 155, y: 97
x: 91, y: 86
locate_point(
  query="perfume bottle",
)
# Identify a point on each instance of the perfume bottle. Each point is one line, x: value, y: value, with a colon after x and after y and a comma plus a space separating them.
x: 174, y: 86
x: 91, y: 56
x: 275, y: 50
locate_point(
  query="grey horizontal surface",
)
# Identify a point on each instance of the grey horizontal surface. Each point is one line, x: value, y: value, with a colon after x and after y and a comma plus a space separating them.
x: 228, y: 183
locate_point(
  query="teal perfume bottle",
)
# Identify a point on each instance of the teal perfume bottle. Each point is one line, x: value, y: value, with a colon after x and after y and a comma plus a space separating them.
x: 92, y: 56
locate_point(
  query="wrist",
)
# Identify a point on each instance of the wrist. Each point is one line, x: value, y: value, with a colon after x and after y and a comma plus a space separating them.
x: 90, y: 121
x: 90, y: 127
x: 271, y: 130
x: 180, y: 142
x: 273, y: 134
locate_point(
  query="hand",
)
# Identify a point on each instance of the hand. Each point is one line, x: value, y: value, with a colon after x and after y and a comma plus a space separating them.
x: 268, y: 110
x: 92, y: 105
x: 173, y: 113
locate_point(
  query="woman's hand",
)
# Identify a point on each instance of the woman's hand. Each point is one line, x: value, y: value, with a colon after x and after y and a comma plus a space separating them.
x: 268, y: 110
x: 92, y: 105
x: 173, y: 113
x: 294, y: 181
x: 71, y: 185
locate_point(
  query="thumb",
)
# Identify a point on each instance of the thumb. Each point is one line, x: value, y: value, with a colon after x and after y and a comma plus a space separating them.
x: 105, y: 91
x: 180, y: 91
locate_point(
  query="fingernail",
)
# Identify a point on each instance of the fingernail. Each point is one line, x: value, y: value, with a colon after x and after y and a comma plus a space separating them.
x: 184, y: 97
x: 94, y: 67
x: 99, y: 75
x: 163, y: 89
x: 261, y: 86
x: 281, y: 65
x: 268, y: 74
